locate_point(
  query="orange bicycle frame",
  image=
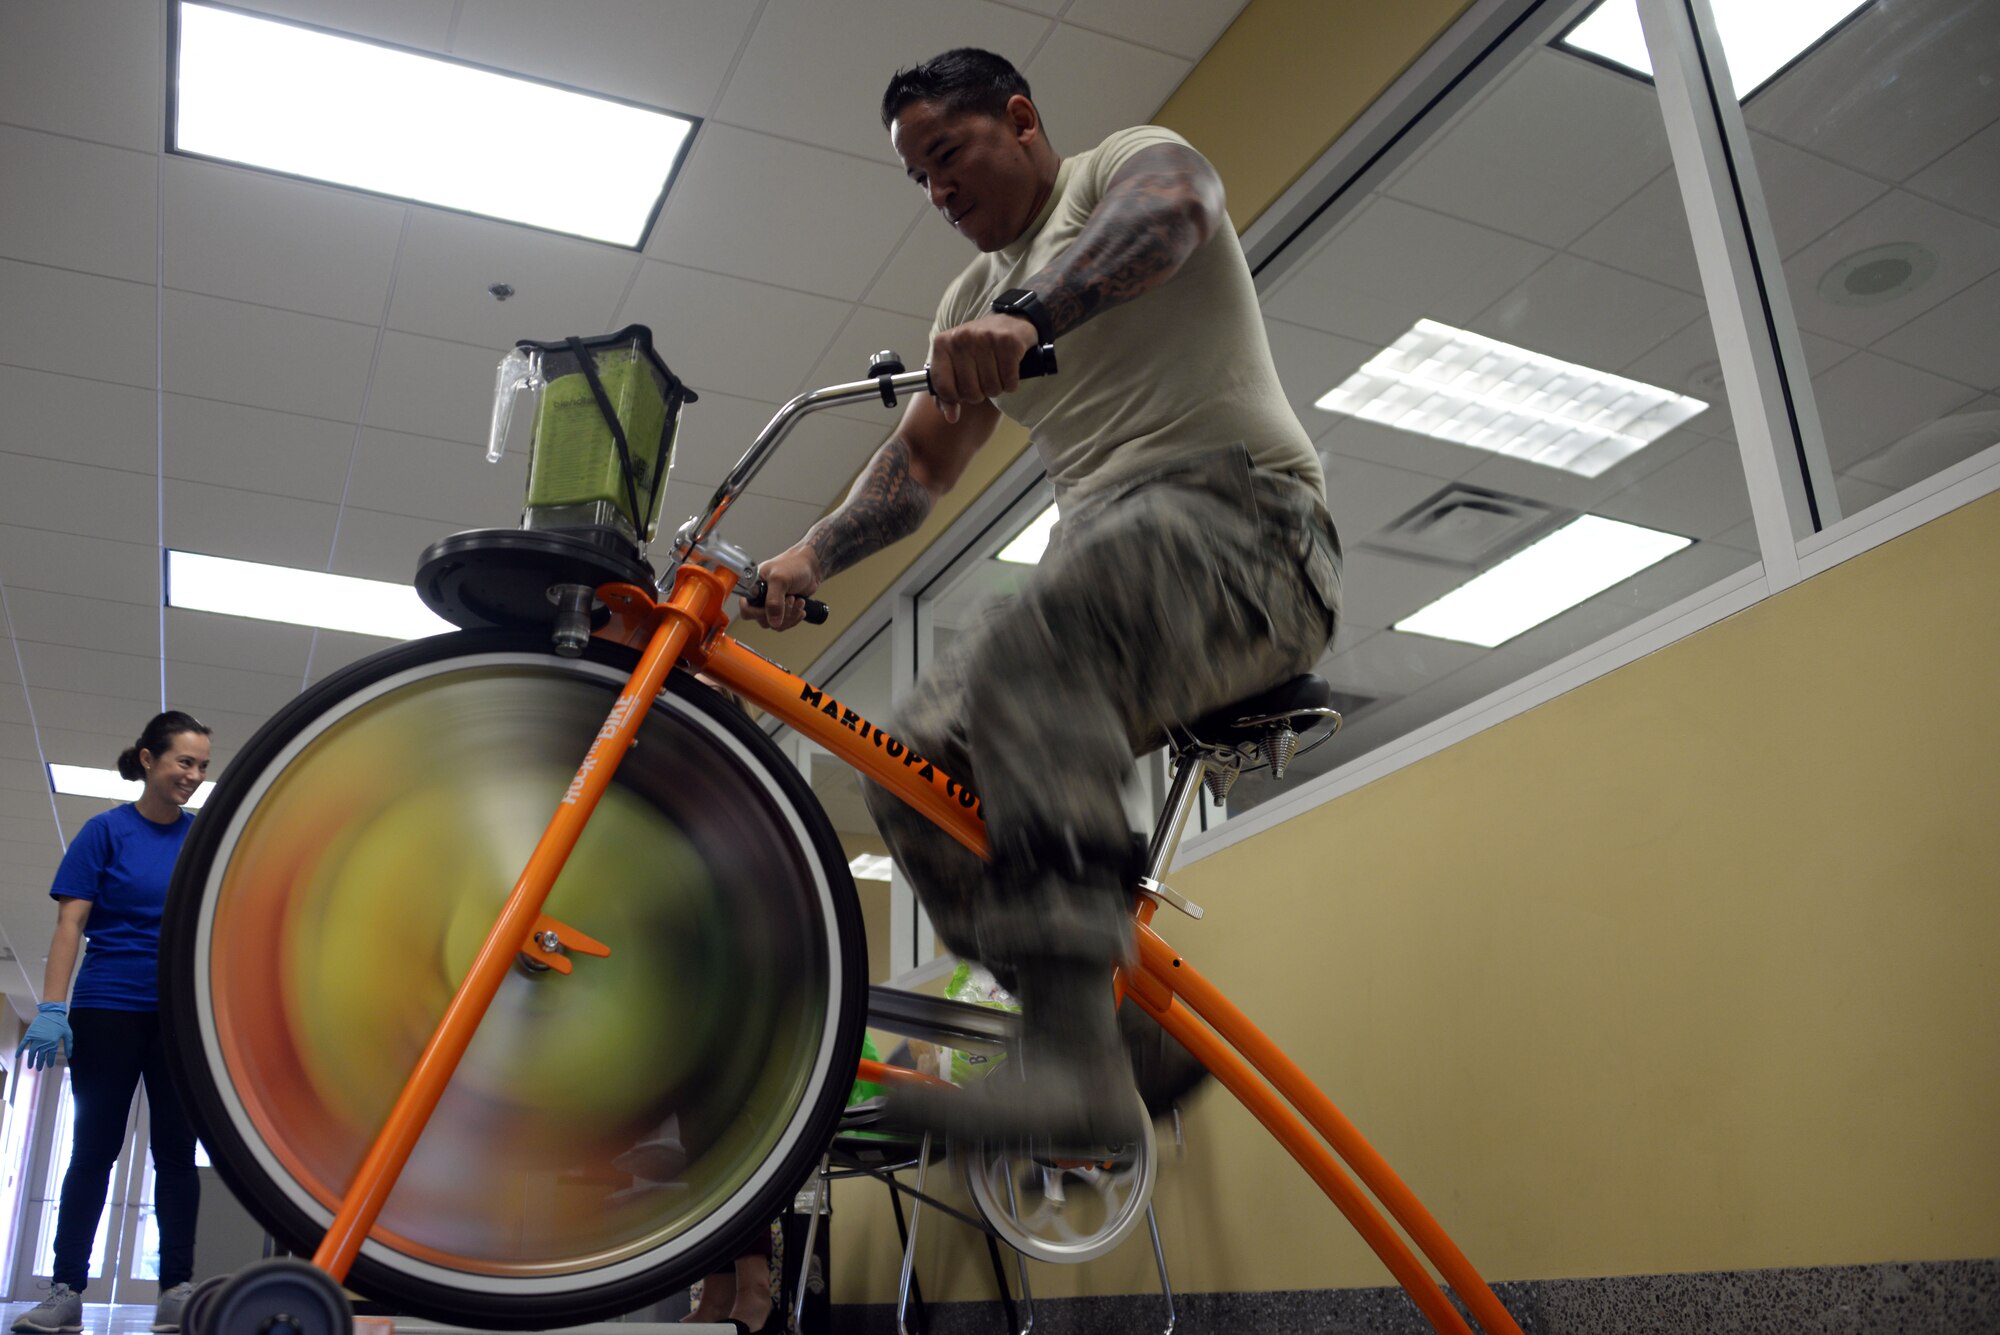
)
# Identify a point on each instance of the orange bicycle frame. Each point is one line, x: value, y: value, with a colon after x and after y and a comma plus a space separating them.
x: 686, y: 630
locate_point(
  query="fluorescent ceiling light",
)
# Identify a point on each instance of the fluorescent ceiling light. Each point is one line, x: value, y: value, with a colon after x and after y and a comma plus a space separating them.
x: 84, y: 781
x: 307, y: 103
x: 1028, y: 545
x: 870, y: 867
x: 300, y: 597
x: 1477, y: 391
x: 1759, y: 37
x: 1577, y: 561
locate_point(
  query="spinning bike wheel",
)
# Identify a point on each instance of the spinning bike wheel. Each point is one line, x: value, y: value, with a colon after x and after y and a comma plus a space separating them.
x: 1064, y: 1212
x: 611, y: 1133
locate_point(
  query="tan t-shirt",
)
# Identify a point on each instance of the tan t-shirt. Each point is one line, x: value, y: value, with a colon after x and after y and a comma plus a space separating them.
x: 1178, y: 371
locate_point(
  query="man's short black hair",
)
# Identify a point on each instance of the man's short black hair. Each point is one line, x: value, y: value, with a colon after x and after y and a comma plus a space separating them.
x: 963, y: 79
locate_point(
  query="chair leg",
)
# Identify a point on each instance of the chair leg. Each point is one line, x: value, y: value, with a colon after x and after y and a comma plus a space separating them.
x: 910, y: 1245
x: 1160, y: 1260
x: 1021, y: 1264
x: 804, y: 1264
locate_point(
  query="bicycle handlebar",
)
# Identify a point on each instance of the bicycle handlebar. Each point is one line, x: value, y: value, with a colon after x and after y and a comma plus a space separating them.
x: 887, y: 379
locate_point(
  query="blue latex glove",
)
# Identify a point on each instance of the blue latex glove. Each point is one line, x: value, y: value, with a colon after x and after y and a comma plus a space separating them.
x: 47, y: 1036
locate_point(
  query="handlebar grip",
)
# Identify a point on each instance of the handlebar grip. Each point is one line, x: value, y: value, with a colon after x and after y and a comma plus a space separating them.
x: 1040, y: 361
x: 816, y: 611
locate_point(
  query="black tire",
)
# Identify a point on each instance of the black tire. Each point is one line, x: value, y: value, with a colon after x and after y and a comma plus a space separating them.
x: 731, y: 1009
x: 278, y: 1296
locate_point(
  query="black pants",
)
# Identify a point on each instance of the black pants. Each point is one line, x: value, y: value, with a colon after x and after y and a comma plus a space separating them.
x: 114, y: 1051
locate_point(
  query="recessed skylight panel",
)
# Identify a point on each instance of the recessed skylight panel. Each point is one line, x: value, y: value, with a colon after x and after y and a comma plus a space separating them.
x: 300, y: 597
x: 88, y: 781
x: 1759, y: 37
x: 1027, y: 546
x: 295, y: 100
x: 1576, y: 562
x: 1463, y: 387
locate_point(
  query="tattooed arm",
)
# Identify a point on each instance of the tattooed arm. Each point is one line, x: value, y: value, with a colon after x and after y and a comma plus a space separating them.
x: 1158, y: 207
x: 889, y: 501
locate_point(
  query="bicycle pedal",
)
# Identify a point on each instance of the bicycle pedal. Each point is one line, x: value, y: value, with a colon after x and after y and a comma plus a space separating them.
x: 1162, y: 893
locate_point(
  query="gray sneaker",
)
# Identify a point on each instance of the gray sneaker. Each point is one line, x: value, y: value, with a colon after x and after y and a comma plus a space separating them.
x: 61, y: 1310
x: 167, y: 1312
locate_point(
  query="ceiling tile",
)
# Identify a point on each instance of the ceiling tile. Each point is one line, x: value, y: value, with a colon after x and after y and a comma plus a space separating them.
x: 1857, y: 495
x: 1088, y: 85
x: 231, y: 641
x: 1365, y: 497
x: 78, y: 205
x: 119, y: 102
x: 49, y: 494
x: 730, y: 334
x: 1394, y: 663
x: 1646, y: 235
x: 867, y: 332
x: 431, y: 387
x: 562, y: 286
x: 765, y: 525
x: 715, y: 432
x: 78, y: 324
x: 1968, y: 429
x: 1392, y: 264
x: 930, y: 257
x: 204, y: 688
x: 1966, y: 251
x: 333, y: 650
x: 833, y: 98
x: 1653, y: 589
x: 1964, y: 178
x: 81, y: 421
x: 1310, y: 363
x: 126, y: 676
x: 1547, y: 154
x: 60, y: 562
x: 439, y: 480
x: 1378, y: 589
x: 1892, y: 91
x: 815, y: 463
x: 83, y: 622
x: 29, y: 828
x: 1868, y: 402
x: 248, y: 525
x: 424, y: 24
x: 216, y: 349
x: 1588, y: 314
x: 1358, y: 439
x: 1807, y: 195
x: 819, y: 460
x: 1567, y: 491
x: 89, y: 727
x: 673, y: 58
x: 255, y: 449
x: 253, y: 237
x: 1698, y: 495
x: 783, y: 212
x: 374, y: 545
x: 1185, y: 27
x: 1958, y: 338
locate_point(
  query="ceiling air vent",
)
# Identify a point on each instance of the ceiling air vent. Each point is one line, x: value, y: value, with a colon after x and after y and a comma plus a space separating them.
x: 1467, y: 526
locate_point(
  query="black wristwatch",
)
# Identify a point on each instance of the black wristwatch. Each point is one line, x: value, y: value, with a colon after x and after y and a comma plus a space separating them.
x: 1023, y: 304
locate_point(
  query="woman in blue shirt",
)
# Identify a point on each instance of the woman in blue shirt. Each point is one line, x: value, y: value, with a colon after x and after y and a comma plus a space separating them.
x: 111, y: 889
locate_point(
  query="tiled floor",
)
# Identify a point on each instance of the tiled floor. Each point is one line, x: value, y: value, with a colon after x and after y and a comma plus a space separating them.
x: 98, y: 1318
x: 136, y: 1318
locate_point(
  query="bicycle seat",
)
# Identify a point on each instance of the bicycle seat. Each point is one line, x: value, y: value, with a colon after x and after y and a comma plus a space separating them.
x: 1243, y: 723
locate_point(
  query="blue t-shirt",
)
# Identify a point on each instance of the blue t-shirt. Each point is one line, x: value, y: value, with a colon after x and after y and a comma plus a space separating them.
x: 121, y: 862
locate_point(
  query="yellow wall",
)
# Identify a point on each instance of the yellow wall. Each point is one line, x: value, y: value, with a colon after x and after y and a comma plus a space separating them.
x: 1691, y: 968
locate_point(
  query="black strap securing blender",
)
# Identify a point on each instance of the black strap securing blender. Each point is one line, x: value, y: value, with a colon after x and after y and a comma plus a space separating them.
x: 606, y: 411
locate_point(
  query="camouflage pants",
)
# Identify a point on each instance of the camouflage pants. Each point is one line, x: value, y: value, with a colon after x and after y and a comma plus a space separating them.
x: 1174, y: 595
